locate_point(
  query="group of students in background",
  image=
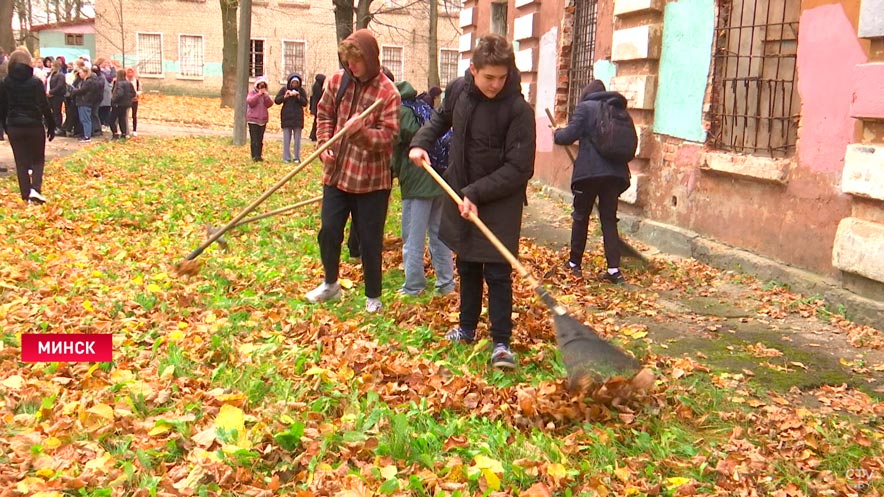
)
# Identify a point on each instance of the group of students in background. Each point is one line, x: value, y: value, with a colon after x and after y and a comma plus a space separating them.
x: 32, y: 94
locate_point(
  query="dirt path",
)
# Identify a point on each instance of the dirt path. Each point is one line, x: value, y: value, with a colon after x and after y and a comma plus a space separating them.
x: 721, y: 324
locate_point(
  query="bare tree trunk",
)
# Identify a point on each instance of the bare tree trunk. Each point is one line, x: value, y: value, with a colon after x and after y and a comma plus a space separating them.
x: 363, y: 15
x: 114, y: 19
x: 25, y: 21
x: 433, y: 46
x: 343, y: 18
x: 228, y: 57
x: 242, y: 72
x: 7, y: 40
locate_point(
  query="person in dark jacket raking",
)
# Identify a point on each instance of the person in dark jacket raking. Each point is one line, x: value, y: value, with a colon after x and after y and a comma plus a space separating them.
x: 25, y: 114
x: 594, y: 177
x: 490, y: 163
x: 293, y: 101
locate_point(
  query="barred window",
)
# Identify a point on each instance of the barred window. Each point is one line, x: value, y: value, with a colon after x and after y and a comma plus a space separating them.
x: 582, y: 50
x: 448, y: 65
x: 256, y: 59
x: 498, y: 18
x: 293, y: 57
x: 391, y: 58
x: 755, y: 107
x: 150, y: 54
x: 73, y: 39
x: 190, y: 55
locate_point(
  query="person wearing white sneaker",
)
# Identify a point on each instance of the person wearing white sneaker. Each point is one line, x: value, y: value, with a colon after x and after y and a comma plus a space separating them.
x: 27, y: 118
x: 356, y: 174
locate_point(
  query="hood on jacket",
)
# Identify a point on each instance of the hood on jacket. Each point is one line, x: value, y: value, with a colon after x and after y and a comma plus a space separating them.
x: 318, y: 83
x: 512, y: 87
x: 406, y: 91
x: 261, y: 79
x: 612, y: 97
x: 21, y: 72
x: 368, y: 44
x: 293, y: 76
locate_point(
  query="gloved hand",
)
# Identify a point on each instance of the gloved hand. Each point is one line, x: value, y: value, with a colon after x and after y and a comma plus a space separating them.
x: 50, y: 133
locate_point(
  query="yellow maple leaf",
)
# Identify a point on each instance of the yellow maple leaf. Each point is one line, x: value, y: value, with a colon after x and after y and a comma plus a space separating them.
x: 231, y: 421
x: 556, y: 471
x: 389, y: 471
x: 491, y: 479
x: 482, y: 461
x: 346, y: 283
x: 676, y: 481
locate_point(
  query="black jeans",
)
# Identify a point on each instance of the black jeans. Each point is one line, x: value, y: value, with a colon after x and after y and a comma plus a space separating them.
x: 585, y: 193
x: 96, y: 121
x: 55, y: 103
x: 498, y: 276
x: 256, y: 139
x: 29, y: 150
x: 134, y: 116
x: 369, y: 212
x: 119, y: 117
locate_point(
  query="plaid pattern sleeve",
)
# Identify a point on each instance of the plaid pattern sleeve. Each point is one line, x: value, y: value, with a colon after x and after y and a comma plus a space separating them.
x: 362, y: 162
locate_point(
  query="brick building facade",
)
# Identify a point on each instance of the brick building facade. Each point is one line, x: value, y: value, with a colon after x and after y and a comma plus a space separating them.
x: 177, y: 44
x: 759, y: 123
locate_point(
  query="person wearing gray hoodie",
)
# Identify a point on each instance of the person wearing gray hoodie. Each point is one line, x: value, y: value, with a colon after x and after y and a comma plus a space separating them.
x: 293, y: 100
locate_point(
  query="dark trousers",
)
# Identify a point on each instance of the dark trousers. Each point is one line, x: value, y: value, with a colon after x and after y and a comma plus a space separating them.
x: 72, y: 124
x: 119, y: 118
x: 256, y: 139
x: 585, y: 194
x: 369, y: 212
x: 29, y: 150
x: 96, y: 121
x: 313, y: 130
x: 498, y: 276
x: 104, y: 113
x: 55, y: 104
x: 134, y: 116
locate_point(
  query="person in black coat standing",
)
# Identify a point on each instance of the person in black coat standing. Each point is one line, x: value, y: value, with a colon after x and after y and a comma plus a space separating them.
x: 594, y: 177
x: 490, y: 162
x: 57, y: 87
x: 315, y: 96
x: 293, y: 100
x: 25, y: 114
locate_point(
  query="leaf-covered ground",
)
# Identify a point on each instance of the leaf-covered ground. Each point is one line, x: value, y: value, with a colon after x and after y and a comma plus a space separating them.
x: 229, y: 383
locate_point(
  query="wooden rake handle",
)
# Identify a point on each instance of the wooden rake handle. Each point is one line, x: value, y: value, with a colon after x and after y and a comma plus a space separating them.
x: 552, y: 122
x: 310, y: 158
x: 522, y: 270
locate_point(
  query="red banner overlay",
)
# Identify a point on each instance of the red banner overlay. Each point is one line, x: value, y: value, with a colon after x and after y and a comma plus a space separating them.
x: 66, y: 347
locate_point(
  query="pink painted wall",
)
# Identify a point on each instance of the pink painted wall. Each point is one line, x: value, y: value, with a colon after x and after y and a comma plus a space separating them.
x: 828, y: 52
x: 868, y: 91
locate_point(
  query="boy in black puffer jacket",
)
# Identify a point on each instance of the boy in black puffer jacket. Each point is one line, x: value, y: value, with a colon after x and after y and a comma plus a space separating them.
x: 293, y: 100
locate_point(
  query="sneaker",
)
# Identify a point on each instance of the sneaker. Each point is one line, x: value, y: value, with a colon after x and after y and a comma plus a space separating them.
x: 36, y: 197
x: 325, y: 292
x: 445, y: 290
x: 502, y: 357
x: 616, y: 278
x: 403, y: 291
x: 85, y: 140
x: 574, y: 269
x: 373, y: 306
x: 461, y: 335
x: 134, y: 133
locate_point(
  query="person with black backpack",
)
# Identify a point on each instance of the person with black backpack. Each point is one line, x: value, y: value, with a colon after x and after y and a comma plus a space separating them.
x: 607, y: 144
x: 491, y: 161
x: 422, y: 200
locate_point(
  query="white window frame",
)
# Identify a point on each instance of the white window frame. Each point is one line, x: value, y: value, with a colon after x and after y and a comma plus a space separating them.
x: 202, y: 74
x: 141, y: 72
x: 400, y: 76
x: 456, y: 58
x: 285, y: 72
x: 266, y: 52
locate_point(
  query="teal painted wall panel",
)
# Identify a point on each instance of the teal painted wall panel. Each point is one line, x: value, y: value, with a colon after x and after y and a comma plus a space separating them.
x: 52, y: 43
x: 688, y: 27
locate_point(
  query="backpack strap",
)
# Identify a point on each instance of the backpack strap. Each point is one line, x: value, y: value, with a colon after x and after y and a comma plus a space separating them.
x: 345, y: 82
